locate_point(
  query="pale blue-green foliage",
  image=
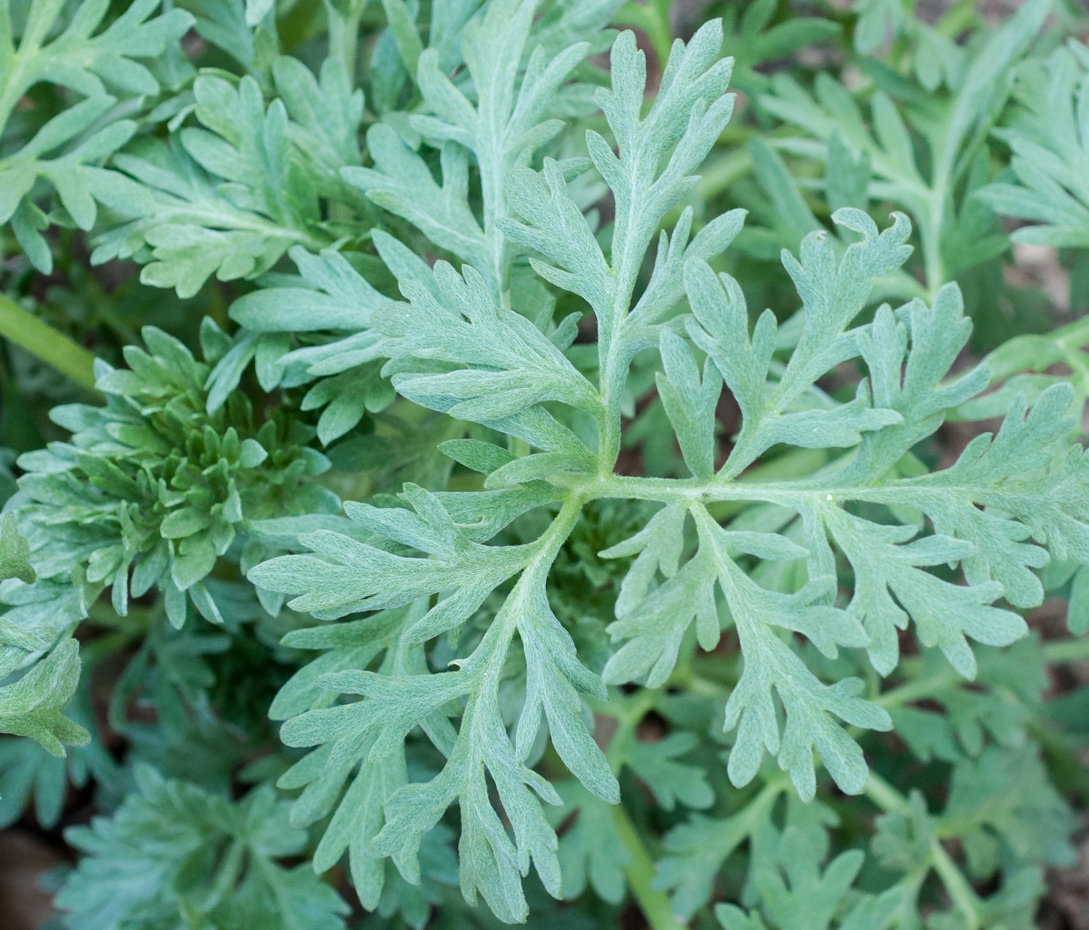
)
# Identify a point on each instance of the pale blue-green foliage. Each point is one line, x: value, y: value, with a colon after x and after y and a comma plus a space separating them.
x: 687, y: 115
x: 26, y: 770
x: 1003, y: 698
x: 998, y: 825
x: 771, y: 664
x: 695, y: 850
x: 463, y: 343
x: 786, y: 870
x: 1049, y: 137
x: 992, y: 547
x: 653, y: 623
x: 371, y: 732
x: 592, y: 851
x: 39, y: 616
x: 510, y: 369
x: 29, y: 771
x: 831, y: 298
x: 796, y: 890
x: 935, y: 57
x: 956, y: 233
x: 808, y: 898
x: 516, y: 70
x: 68, y: 150
x: 358, y: 816
x: 499, y: 130
x: 754, y: 41
x: 396, y: 56
x: 450, y: 660
x: 781, y: 217
x: 230, y: 198
x: 329, y: 296
x: 452, y: 319
x: 174, y: 851
x: 148, y: 494
x: 14, y: 553
x: 34, y: 705
x: 991, y: 817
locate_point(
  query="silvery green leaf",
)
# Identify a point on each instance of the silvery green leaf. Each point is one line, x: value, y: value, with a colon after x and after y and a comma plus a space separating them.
x: 166, y: 840
x: 34, y: 705
x: 501, y: 127
x: 670, y: 780
x: 15, y: 552
x: 833, y: 294
x: 69, y: 53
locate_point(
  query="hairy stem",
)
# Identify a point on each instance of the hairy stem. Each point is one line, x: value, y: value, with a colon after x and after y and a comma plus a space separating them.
x: 786, y: 493
x: 495, y: 642
x: 41, y: 339
x: 931, y: 234
x: 344, y: 44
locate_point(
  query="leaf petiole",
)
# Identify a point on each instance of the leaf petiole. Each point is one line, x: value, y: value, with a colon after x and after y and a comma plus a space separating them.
x: 641, y: 873
x: 41, y: 339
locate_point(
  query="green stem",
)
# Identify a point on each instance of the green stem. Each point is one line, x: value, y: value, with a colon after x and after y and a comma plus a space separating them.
x: 933, y: 264
x: 653, y: 19
x: 499, y: 635
x: 916, y: 690
x: 1066, y: 650
x: 788, y: 493
x: 405, y: 34
x: 720, y: 174
x: 688, y: 680
x: 16, y: 82
x: 1074, y: 335
x: 348, y: 36
x: 640, y: 870
x: 958, y: 18
x: 885, y: 796
x: 26, y: 330
x: 641, y: 873
x: 961, y: 893
x: 628, y: 716
x: 227, y: 876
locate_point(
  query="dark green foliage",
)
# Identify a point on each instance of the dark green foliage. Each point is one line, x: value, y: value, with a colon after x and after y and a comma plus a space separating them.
x: 155, y: 485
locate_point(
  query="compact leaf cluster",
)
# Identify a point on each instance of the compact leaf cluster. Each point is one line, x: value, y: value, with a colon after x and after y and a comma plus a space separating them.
x: 465, y: 531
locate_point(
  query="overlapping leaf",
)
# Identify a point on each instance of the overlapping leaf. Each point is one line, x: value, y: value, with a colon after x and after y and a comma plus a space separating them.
x: 1048, y: 140
x: 67, y: 151
x: 230, y: 198
x: 34, y: 705
x: 503, y: 127
x: 180, y: 849
x: 953, y: 131
x: 152, y: 489
x: 402, y: 696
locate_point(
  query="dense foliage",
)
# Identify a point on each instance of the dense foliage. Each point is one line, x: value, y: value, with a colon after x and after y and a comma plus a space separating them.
x: 464, y: 464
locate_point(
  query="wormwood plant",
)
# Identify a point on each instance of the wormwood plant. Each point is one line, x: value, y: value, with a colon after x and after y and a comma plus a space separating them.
x: 482, y: 549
